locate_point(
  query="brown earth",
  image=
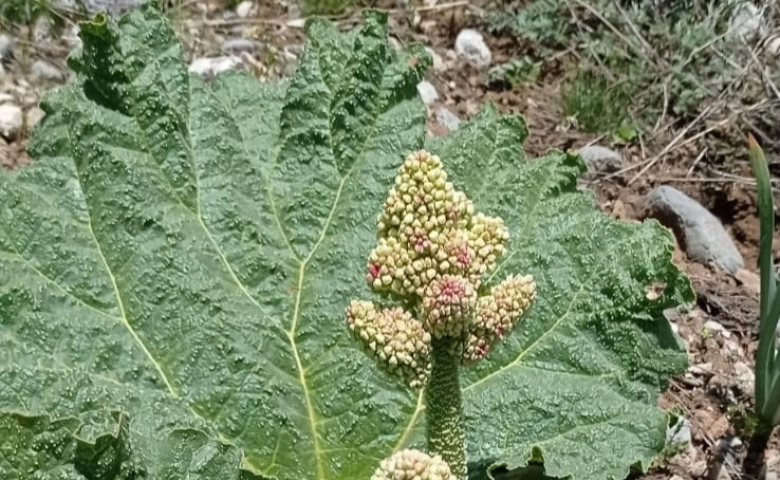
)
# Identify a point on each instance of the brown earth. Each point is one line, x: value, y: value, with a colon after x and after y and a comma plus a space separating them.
x: 714, y: 394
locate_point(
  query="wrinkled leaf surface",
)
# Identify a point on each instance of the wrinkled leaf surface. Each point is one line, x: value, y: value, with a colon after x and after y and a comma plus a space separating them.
x: 175, y: 263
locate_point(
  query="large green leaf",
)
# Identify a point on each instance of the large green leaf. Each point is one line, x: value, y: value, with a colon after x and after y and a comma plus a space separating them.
x: 175, y: 264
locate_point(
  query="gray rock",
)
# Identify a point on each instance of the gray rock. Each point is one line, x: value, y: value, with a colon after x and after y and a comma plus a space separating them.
x: 214, y: 65
x: 427, y: 92
x: 7, y: 43
x: 11, y: 120
x: 236, y: 45
x: 699, y: 232
x: 679, y: 433
x: 448, y: 119
x: 470, y: 46
x: 6, y: 98
x: 600, y: 159
x: 43, y: 70
x: 245, y: 9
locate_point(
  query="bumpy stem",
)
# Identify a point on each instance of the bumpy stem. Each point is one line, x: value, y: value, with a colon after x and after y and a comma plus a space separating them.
x: 444, y: 408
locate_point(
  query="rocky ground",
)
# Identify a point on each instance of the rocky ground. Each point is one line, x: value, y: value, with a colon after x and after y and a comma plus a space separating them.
x: 711, y: 209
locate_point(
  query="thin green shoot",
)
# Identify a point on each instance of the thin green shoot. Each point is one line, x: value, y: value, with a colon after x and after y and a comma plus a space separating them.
x: 767, y: 362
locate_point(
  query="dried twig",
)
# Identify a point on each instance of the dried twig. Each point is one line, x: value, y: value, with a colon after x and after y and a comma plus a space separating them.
x: 696, y: 162
x: 445, y: 6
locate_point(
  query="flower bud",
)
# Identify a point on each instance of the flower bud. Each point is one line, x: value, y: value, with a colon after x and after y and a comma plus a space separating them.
x: 448, y: 306
x: 413, y: 465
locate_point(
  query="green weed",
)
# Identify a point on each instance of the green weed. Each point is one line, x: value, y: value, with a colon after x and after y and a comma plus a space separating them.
x: 597, y: 104
x: 674, y: 58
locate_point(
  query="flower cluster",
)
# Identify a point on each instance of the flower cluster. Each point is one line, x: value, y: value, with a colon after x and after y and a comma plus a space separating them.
x: 413, y: 465
x: 395, y: 338
x: 498, y: 313
x: 424, y: 232
x: 432, y: 253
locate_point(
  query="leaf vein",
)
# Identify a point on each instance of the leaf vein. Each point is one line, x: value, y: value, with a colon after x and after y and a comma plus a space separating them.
x: 313, y: 421
x: 123, y: 314
x: 265, y: 178
x: 57, y: 285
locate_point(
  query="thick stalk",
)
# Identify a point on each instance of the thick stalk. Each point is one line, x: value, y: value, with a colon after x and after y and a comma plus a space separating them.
x: 444, y: 408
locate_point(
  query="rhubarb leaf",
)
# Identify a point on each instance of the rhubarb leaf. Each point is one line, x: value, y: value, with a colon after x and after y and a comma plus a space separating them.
x: 176, y: 261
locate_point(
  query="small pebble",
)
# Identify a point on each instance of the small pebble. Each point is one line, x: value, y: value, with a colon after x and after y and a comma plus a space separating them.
x: 43, y: 70
x: 11, y: 121
x: 237, y: 45
x: 471, y: 46
x: 714, y: 326
x: 34, y: 115
x: 6, y: 46
x: 744, y: 377
x: 427, y: 92
x: 245, y: 9
x: 448, y: 119
x: 214, y: 65
x: 747, y: 22
x: 600, y: 159
x: 680, y: 433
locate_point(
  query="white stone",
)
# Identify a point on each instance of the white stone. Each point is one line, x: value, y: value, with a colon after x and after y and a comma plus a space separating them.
x: 214, y: 65
x: 43, y: 70
x: 6, y: 98
x: 245, y: 8
x: 427, y: 92
x: 6, y: 45
x: 11, y: 120
x: 773, y: 47
x: 34, y: 115
x: 745, y: 378
x: 448, y: 119
x: 714, y: 326
x: 471, y: 46
x: 71, y: 37
x: 747, y: 22
x: 679, y: 433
